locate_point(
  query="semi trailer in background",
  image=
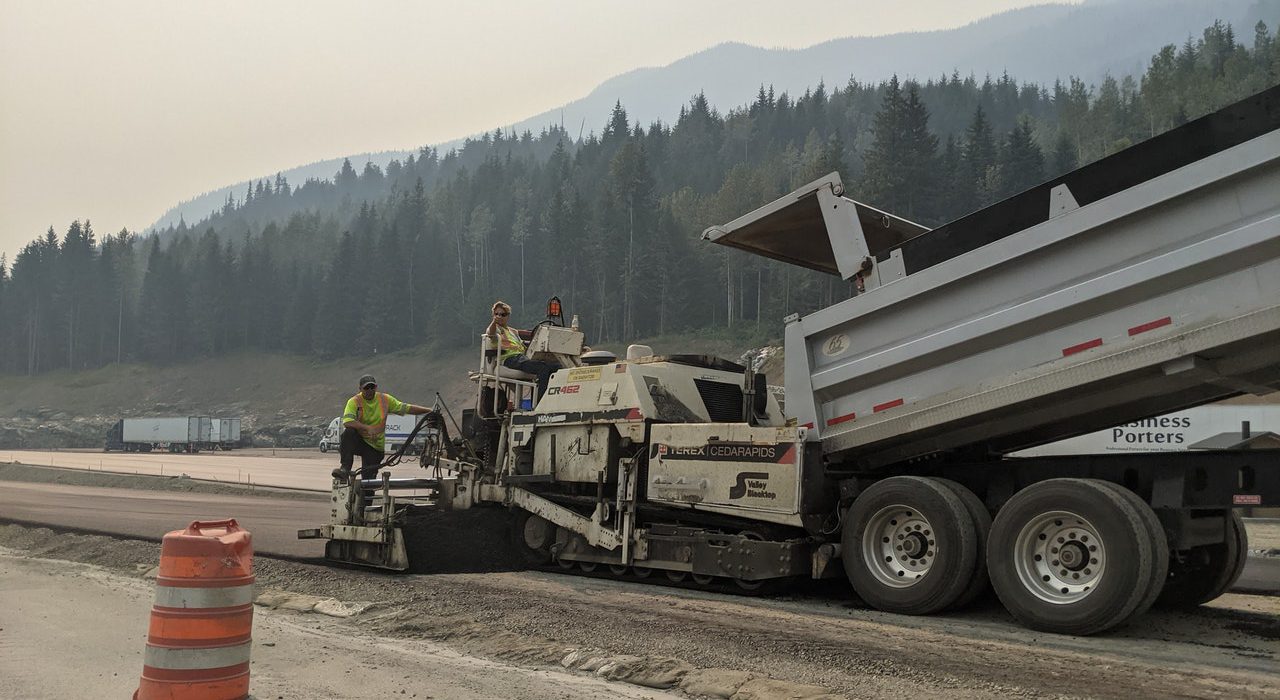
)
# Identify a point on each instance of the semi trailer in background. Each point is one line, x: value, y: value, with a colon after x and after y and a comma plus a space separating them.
x: 224, y: 434
x: 173, y: 434
x: 1215, y: 426
x: 176, y: 434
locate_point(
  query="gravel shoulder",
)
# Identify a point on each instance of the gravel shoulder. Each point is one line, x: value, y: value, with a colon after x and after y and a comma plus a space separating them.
x: 790, y: 646
x: 61, y: 615
x: 1264, y: 535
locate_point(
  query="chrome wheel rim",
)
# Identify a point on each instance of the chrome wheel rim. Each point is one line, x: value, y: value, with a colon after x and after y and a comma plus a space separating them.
x: 899, y: 546
x: 1059, y: 557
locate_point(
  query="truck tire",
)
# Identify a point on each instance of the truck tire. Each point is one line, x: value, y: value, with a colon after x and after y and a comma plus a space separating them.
x: 1160, y: 555
x: 1071, y: 556
x: 1208, y: 571
x: 978, y: 580
x: 909, y: 545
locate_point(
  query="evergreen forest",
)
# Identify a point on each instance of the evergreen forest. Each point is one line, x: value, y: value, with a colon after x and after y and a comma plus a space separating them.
x: 382, y: 260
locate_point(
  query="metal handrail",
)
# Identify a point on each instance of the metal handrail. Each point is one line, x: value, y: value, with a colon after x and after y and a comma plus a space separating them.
x: 495, y: 376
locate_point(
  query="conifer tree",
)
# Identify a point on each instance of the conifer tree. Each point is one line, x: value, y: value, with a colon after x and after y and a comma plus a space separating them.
x: 1021, y: 163
x: 1064, y: 156
x: 979, y: 157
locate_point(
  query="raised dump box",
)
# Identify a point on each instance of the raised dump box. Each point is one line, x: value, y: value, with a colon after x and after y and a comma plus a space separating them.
x: 1143, y: 283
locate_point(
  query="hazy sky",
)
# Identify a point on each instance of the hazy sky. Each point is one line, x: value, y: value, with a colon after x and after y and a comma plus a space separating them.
x: 115, y: 111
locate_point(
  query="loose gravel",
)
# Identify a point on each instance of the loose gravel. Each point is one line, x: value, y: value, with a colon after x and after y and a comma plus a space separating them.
x: 796, y: 645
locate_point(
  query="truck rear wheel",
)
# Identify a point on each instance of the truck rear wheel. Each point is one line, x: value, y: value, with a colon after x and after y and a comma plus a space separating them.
x: 1208, y: 572
x: 1071, y: 556
x: 978, y: 580
x: 1160, y: 553
x: 910, y: 545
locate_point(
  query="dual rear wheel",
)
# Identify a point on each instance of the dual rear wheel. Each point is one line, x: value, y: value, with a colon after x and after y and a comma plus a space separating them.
x: 1204, y: 573
x: 1074, y: 556
x: 911, y: 545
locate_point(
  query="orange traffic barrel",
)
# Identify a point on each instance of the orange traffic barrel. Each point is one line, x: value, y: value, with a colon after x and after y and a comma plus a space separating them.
x: 202, y: 619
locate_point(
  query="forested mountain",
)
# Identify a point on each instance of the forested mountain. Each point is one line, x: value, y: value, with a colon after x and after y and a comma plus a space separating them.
x: 416, y: 252
x: 1039, y: 44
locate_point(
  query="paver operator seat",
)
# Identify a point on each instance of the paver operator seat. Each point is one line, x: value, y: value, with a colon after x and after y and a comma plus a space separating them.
x: 499, y: 386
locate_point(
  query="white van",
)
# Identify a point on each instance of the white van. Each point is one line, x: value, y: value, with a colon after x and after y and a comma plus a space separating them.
x: 397, y: 431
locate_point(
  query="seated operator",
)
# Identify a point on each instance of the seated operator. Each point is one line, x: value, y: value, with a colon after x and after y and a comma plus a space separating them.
x: 365, y: 419
x: 511, y: 349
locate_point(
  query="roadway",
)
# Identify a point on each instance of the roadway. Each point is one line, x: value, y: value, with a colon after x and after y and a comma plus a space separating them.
x: 1260, y: 575
x: 274, y: 522
x: 306, y: 470
x: 144, y: 514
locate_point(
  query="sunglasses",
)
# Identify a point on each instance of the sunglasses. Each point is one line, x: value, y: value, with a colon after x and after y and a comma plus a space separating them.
x: 369, y: 386
x: 502, y: 313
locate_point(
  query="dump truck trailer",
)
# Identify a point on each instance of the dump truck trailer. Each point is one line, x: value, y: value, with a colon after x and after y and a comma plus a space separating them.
x: 1144, y: 283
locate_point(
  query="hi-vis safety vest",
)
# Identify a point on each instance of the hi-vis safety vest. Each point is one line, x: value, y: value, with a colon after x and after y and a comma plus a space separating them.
x: 382, y: 404
x: 510, y: 343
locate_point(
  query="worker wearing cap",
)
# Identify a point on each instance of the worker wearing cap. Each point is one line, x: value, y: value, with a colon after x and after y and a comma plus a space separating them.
x: 365, y: 419
x: 511, y: 348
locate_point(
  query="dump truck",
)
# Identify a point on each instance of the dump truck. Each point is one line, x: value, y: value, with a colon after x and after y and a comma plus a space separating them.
x: 1144, y: 283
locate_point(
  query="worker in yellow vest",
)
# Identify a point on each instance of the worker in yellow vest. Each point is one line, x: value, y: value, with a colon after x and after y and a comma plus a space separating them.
x: 511, y: 348
x: 365, y: 420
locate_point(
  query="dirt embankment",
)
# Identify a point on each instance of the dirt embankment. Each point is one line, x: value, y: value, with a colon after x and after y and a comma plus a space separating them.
x: 283, y: 400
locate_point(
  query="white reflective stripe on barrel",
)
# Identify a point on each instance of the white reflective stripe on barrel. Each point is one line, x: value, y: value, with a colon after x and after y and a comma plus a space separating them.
x: 186, y: 659
x: 178, y: 597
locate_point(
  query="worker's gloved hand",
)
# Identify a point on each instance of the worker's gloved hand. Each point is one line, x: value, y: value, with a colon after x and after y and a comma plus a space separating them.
x: 435, y: 420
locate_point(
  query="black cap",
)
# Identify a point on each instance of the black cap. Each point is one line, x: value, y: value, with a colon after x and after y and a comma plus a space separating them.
x: 366, y: 380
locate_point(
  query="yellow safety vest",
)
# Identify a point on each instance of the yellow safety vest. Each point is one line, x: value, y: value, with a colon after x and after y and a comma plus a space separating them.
x: 382, y: 404
x: 510, y: 343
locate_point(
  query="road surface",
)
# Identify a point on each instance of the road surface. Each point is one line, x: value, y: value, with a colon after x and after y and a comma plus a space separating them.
x: 308, y: 471
x: 149, y: 515
x: 286, y: 472
x: 1260, y: 575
